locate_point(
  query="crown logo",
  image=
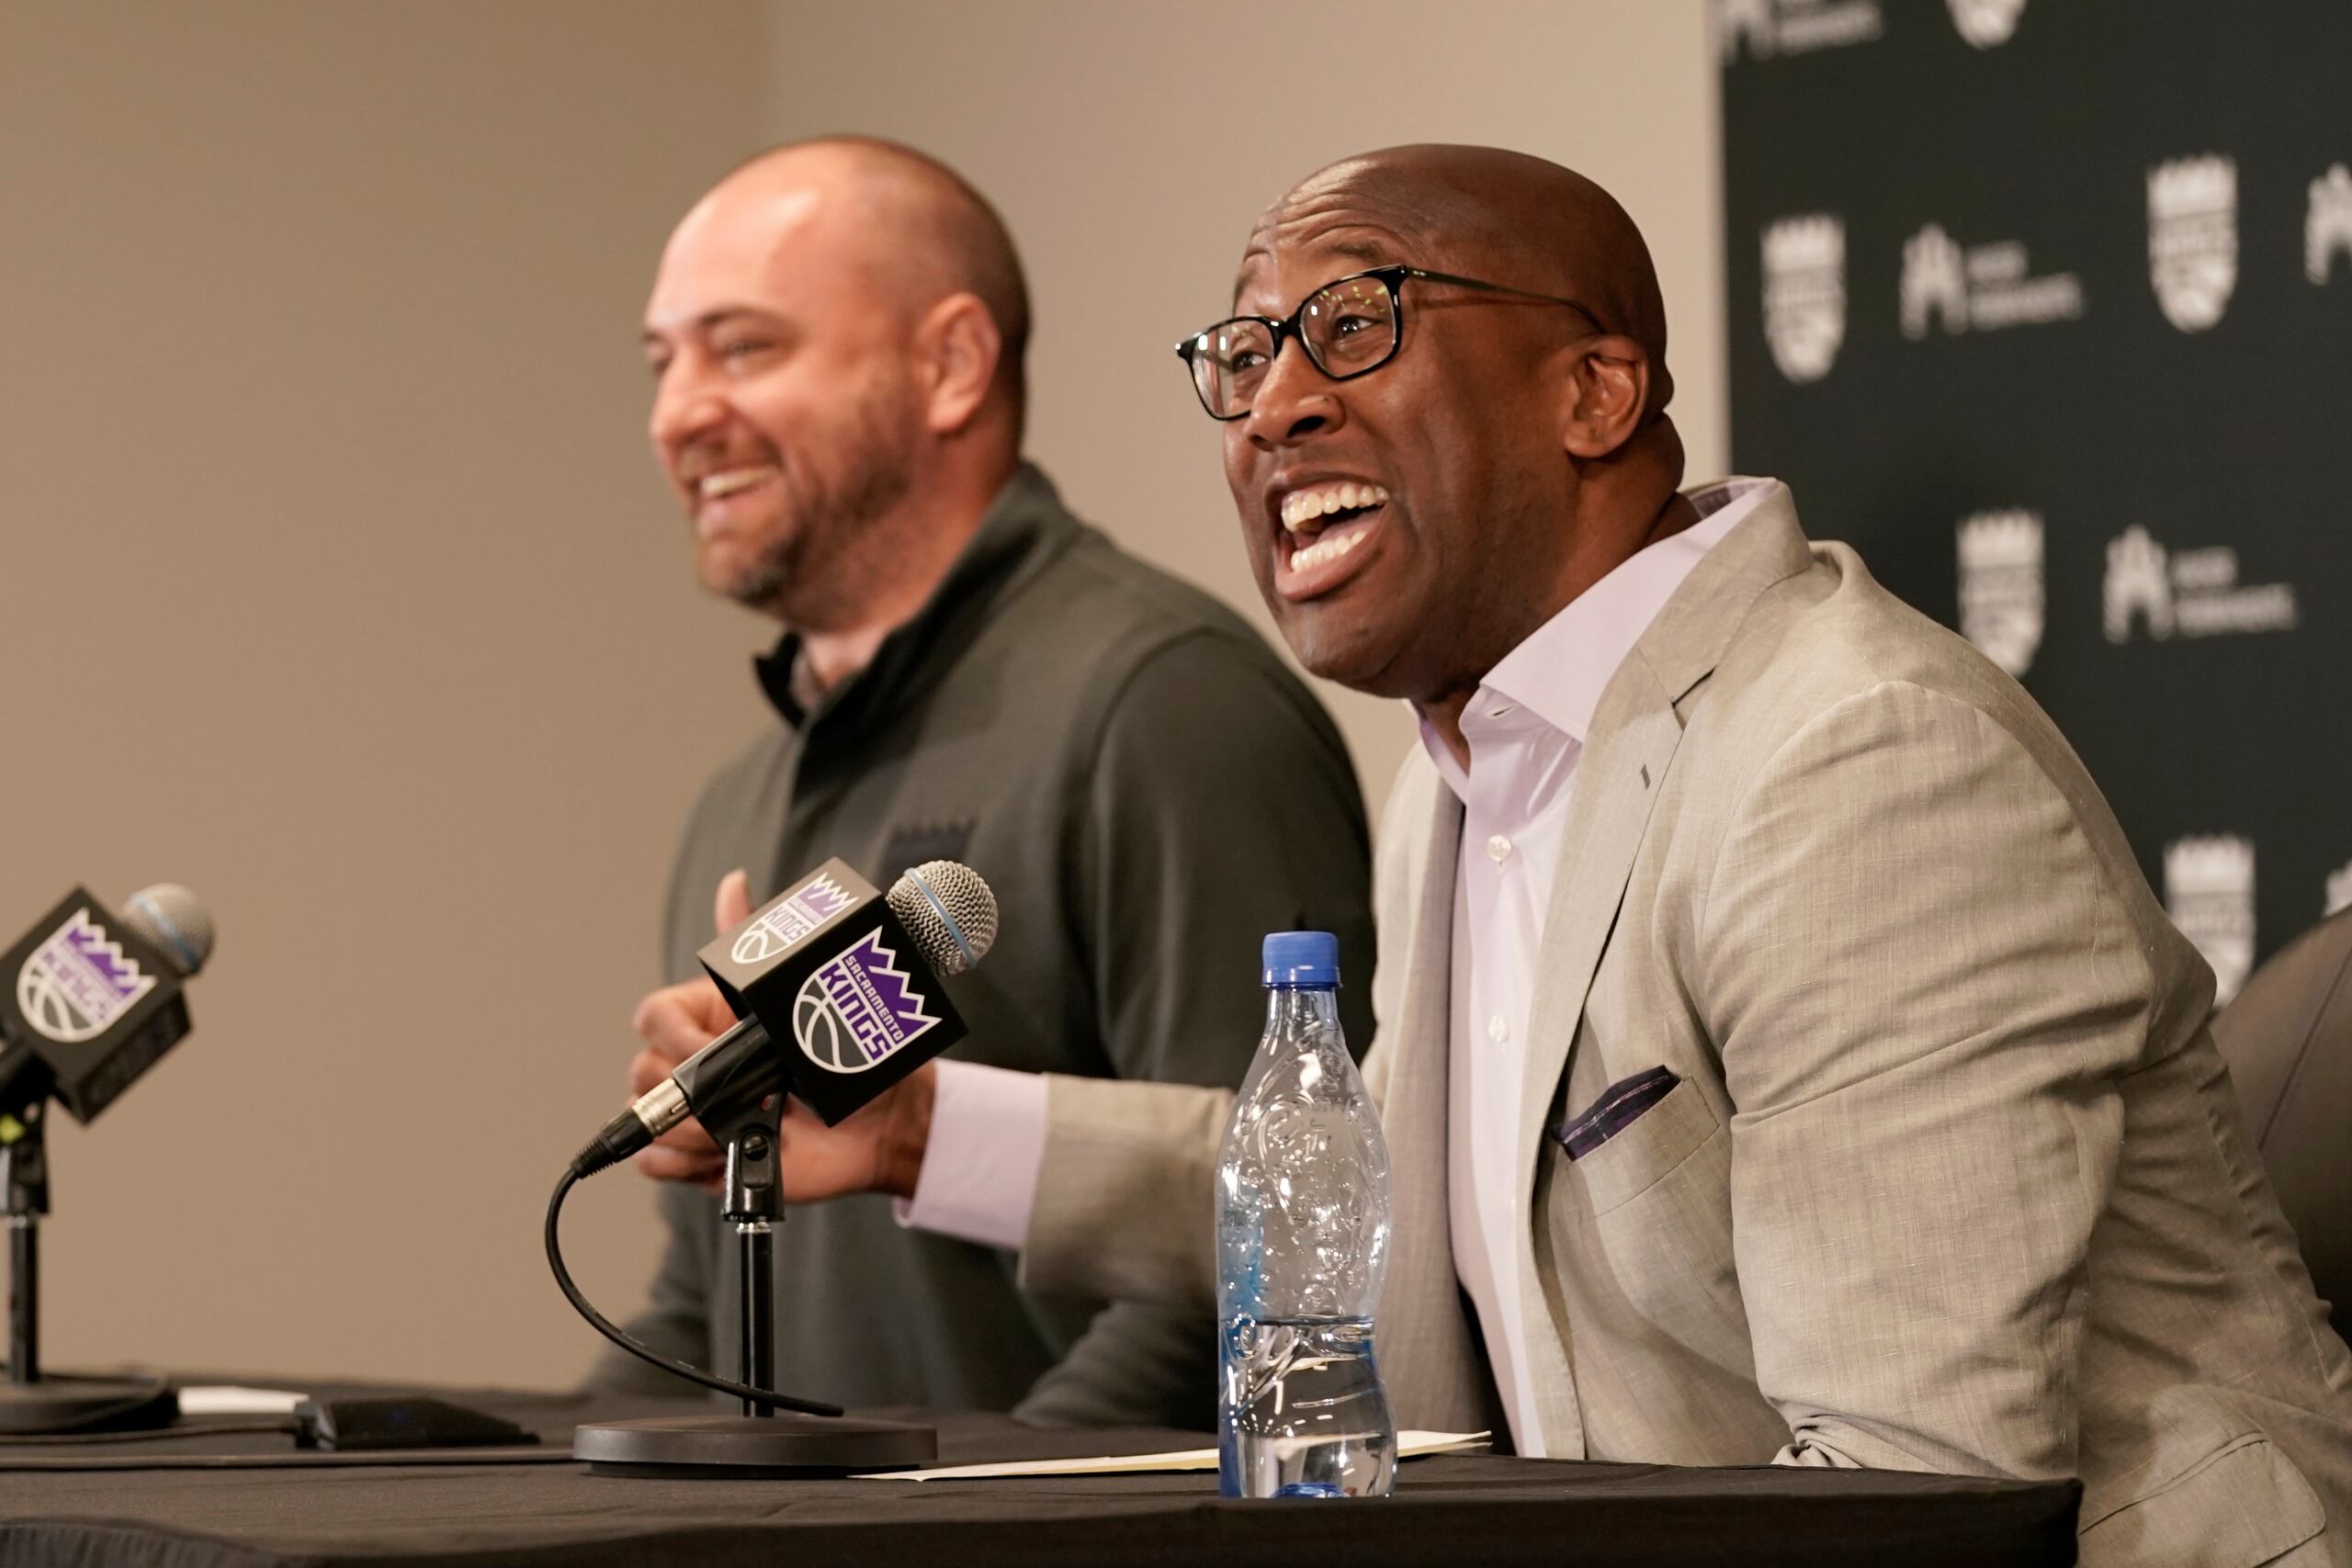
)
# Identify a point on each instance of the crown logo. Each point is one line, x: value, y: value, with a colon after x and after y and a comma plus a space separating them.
x: 2001, y: 538
x: 2186, y: 187
x: 2218, y: 865
x: 1815, y: 242
x: 2327, y: 225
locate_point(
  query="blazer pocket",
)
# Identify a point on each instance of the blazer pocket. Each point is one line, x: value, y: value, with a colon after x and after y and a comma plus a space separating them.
x: 1653, y: 1132
x: 2243, y: 1505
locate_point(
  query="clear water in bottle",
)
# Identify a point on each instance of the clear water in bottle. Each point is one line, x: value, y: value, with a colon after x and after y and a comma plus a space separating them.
x: 1302, y: 1247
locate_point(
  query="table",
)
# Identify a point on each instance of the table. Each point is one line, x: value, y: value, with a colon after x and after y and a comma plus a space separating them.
x: 253, y: 1501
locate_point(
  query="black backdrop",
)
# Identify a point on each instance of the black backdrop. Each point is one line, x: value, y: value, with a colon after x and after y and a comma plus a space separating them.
x: 2045, y: 306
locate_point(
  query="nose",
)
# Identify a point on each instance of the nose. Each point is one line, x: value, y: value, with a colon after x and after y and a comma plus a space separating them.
x: 1295, y: 400
x: 686, y: 406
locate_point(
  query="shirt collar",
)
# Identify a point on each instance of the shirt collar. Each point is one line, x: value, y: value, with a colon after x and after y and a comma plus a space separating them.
x: 1555, y: 678
x: 1025, y: 522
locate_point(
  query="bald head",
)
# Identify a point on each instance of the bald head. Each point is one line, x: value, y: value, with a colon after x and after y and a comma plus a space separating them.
x: 918, y: 229
x: 1513, y: 440
x: 1505, y: 216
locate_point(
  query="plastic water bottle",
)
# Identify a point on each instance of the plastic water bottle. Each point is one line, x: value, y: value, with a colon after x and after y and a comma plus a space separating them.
x: 1302, y: 1244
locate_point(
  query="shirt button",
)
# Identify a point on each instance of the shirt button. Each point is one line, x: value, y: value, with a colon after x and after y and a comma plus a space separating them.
x: 1498, y: 849
x: 1498, y: 1028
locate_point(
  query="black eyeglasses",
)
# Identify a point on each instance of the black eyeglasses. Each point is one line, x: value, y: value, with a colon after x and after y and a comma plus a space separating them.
x: 1348, y: 328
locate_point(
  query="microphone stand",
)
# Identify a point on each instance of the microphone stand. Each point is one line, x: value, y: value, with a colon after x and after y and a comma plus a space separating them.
x: 760, y: 1440
x: 32, y: 1401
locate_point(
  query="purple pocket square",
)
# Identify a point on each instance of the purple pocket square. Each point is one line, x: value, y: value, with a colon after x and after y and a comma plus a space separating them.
x: 1615, y: 1111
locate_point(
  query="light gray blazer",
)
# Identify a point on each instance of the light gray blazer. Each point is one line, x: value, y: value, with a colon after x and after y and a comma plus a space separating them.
x: 1951, y: 1180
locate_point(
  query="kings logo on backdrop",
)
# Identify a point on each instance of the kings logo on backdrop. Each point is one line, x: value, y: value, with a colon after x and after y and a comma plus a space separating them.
x: 2193, y: 239
x: 2209, y: 893
x: 859, y: 1010
x: 1804, y: 294
x: 2001, y: 594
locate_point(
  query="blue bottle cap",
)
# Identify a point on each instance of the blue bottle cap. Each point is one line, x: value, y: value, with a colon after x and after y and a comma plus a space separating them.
x: 1302, y: 958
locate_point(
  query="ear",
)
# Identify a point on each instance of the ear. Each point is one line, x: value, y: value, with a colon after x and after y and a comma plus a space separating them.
x: 956, y: 347
x: 1610, y: 383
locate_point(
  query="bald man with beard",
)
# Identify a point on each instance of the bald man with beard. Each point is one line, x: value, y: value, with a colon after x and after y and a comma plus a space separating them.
x: 966, y: 671
x: 1779, y: 1051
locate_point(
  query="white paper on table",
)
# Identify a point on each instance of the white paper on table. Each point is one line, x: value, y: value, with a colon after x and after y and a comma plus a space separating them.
x: 229, y: 1399
x: 1409, y: 1445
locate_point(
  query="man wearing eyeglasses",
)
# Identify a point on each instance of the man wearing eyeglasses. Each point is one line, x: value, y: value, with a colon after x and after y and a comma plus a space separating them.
x: 966, y: 671
x: 1780, y: 1048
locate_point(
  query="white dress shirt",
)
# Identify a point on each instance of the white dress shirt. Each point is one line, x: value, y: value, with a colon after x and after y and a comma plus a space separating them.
x: 1525, y: 727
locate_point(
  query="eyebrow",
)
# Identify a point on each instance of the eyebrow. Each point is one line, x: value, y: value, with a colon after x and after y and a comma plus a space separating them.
x: 1364, y: 250
x: 649, y: 337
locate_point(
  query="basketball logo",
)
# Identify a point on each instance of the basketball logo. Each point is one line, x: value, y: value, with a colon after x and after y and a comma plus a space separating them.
x: 78, y: 982
x: 859, y: 1010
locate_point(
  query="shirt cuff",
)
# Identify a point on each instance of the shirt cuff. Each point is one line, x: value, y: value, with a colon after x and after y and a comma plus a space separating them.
x: 980, y: 1170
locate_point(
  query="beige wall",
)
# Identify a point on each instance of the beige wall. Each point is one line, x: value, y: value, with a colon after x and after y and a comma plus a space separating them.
x: 341, y: 589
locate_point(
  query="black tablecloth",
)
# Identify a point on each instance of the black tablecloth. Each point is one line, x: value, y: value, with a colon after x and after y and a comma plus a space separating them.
x: 261, y: 1505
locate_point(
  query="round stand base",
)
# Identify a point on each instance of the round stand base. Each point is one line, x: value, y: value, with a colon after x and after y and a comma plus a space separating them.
x: 64, y: 1403
x: 746, y: 1447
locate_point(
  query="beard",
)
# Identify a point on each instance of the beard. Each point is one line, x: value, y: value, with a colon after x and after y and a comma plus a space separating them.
x: 806, y: 569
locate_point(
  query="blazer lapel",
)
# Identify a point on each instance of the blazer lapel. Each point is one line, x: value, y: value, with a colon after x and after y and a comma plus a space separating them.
x: 1634, y: 734
x: 1434, y: 1374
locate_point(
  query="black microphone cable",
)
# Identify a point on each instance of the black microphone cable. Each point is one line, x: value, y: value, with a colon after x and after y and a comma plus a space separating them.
x: 642, y: 1351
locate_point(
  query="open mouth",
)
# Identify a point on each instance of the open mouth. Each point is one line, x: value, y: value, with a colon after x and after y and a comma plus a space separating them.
x: 713, y: 492
x: 1323, y: 526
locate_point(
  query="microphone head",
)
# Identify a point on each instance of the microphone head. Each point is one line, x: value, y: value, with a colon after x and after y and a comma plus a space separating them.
x: 949, y: 911
x: 173, y: 920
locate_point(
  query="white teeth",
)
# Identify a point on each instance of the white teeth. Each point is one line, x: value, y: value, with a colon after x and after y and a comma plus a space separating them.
x: 1322, y: 550
x: 1303, y: 507
x: 714, y: 486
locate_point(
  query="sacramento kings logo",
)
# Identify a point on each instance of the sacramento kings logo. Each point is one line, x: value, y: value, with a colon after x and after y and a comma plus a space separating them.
x: 790, y: 920
x: 2193, y: 238
x: 859, y: 1010
x: 2000, y: 586
x: 1987, y: 24
x: 78, y: 982
x: 2327, y: 224
x: 2209, y: 893
x: 1804, y: 294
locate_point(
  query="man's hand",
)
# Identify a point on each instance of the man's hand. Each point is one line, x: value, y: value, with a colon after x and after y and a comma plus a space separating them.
x: 879, y: 1149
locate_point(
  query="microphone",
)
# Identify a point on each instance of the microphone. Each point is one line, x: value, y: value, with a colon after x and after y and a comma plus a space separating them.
x: 89, y: 1001
x: 843, y: 973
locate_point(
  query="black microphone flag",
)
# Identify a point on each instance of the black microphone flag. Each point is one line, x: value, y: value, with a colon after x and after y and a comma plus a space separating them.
x: 838, y: 984
x: 91, y: 999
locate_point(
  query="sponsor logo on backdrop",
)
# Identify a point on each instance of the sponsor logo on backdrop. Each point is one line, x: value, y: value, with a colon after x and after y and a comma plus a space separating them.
x: 1804, y: 294
x: 2193, y: 592
x: 1987, y: 24
x: 1983, y: 287
x: 790, y: 920
x: 2339, y: 888
x: 78, y: 982
x: 1767, y: 27
x: 2000, y: 586
x: 2193, y: 238
x: 859, y: 1010
x: 2327, y: 225
x: 2209, y: 893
